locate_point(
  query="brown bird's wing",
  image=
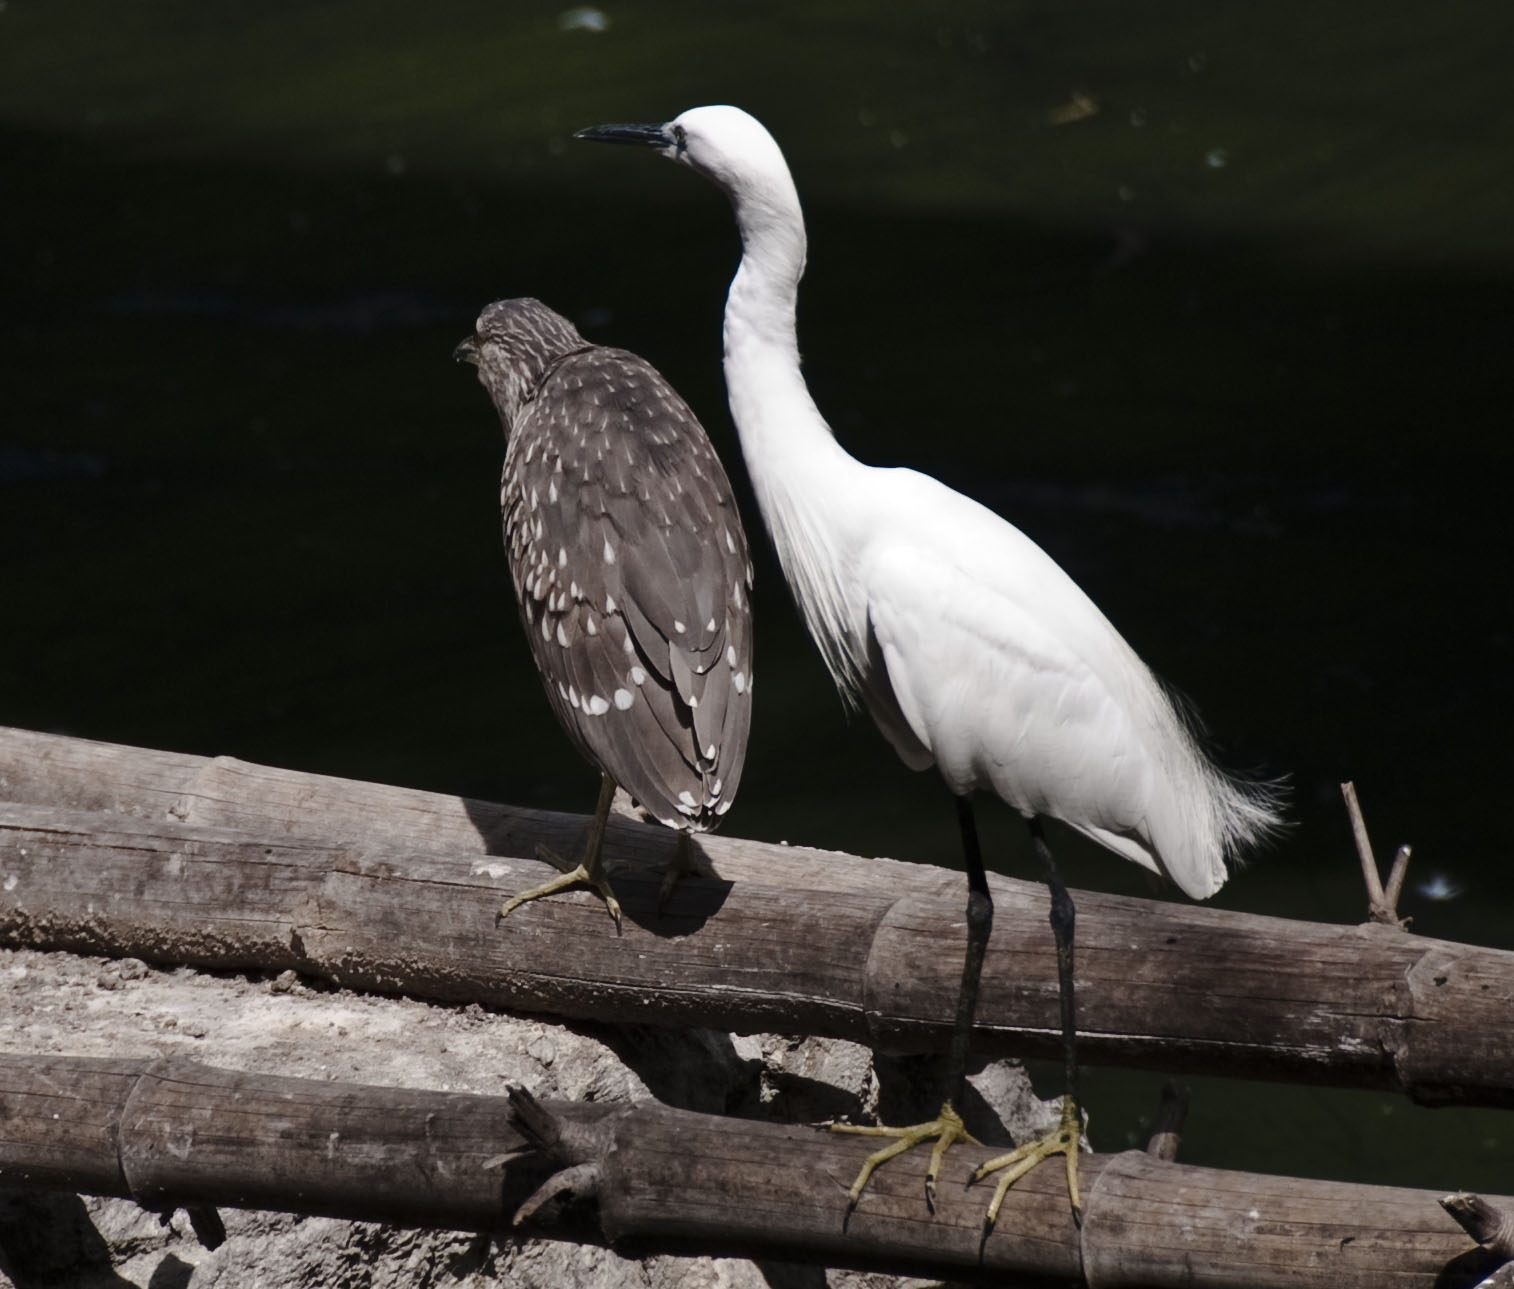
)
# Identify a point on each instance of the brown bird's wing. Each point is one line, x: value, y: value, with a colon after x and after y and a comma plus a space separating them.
x: 632, y: 575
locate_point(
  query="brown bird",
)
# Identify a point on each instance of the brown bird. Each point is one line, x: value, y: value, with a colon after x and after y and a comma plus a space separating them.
x: 631, y: 574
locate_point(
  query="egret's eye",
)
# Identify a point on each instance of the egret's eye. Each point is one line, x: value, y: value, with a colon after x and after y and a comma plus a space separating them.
x: 680, y: 139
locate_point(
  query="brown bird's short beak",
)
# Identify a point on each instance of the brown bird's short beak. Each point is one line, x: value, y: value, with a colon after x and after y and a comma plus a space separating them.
x: 467, y: 352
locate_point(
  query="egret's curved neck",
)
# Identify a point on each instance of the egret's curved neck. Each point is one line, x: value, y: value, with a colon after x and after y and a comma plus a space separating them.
x: 801, y: 475
x: 783, y: 436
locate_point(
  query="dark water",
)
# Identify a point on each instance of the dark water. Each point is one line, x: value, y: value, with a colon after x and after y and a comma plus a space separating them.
x: 1211, y: 301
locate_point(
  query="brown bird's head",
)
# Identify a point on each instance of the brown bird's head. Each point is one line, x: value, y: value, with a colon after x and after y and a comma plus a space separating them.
x: 513, y: 344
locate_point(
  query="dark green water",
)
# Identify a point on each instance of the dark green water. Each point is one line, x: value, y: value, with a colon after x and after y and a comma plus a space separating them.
x: 1228, y: 345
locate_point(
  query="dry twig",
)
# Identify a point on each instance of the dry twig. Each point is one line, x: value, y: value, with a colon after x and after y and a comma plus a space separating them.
x: 1382, y: 902
x: 1167, y: 1131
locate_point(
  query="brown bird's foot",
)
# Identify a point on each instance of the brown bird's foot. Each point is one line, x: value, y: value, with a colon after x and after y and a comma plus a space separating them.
x: 947, y: 1127
x: 1061, y: 1140
x: 687, y: 861
x: 594, y: 874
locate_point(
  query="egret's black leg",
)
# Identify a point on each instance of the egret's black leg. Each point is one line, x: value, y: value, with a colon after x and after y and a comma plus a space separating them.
x: 947, y: 1126
x: 1063, y: 1139
x: 591, y: 870
x: 1063, y: 917
x: 980, y: 922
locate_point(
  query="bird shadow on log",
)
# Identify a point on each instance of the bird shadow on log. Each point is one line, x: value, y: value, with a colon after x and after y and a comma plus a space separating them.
x: 692, y: 902
x: 637, y: 855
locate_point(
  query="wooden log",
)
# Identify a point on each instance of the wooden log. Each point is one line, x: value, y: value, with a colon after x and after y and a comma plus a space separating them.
x: 59, y: 1119
x: 81, y: 774
x: 645, y: 1178
x: 1167, y: 986
x: 172, y: 1133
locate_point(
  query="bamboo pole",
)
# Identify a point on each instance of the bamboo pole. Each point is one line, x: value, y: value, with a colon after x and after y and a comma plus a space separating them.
x: 1175, y: 987
x: 644, y: 1178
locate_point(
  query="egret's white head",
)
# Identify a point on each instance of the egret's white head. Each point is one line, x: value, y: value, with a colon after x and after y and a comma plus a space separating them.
x: 729, y: 146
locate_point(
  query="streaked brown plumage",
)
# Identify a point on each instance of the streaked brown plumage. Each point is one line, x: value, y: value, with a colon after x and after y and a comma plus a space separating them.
x: 629, y: 561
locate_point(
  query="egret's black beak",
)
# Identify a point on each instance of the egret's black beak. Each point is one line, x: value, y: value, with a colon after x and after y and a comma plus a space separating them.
x: 467, y: 352
x: 648, y: 136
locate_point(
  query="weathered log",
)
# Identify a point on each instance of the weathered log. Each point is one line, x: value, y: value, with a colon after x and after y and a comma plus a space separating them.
x: 1168, y: 986
x: 169, y: 1133
x: 81, y: 774
x: 644, y: 1178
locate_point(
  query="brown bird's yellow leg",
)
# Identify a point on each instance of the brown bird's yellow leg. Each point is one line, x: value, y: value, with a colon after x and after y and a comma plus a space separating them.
x: 592, y: 871
x: 686, y: 862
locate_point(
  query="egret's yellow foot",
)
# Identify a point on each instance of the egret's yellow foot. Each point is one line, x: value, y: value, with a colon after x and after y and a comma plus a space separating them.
x: 1061, y: 1140
x: 686, y: 862
x: 945, y: 1128
x: 589, y: 874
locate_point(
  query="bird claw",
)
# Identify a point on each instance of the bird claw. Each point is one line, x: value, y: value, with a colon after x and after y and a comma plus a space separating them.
x: 946, y: 1128
x: 579, y: 874
x: 1062, y: 1140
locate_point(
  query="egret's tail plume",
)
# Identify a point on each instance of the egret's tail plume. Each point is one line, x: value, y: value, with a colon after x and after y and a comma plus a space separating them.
x: 1249, y: 814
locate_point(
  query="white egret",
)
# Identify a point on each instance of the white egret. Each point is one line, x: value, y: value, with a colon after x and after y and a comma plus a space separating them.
x: 969, y: 646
